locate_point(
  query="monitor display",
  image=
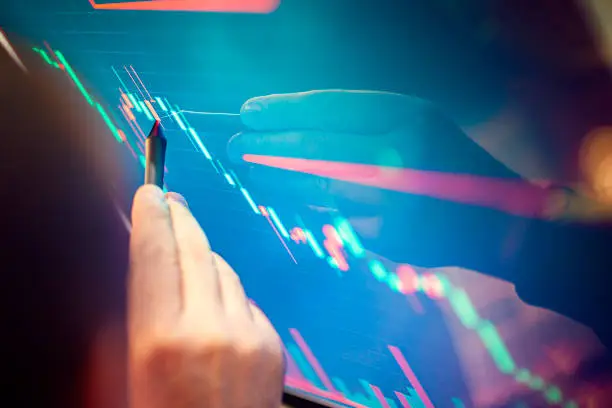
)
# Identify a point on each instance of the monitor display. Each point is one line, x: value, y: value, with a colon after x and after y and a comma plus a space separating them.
x: 358, y: 329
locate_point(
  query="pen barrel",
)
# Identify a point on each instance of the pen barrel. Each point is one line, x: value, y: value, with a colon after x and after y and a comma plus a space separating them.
x: 155, y: 153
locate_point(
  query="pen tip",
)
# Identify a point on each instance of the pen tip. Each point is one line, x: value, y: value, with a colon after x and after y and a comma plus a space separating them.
x: 156, y: 130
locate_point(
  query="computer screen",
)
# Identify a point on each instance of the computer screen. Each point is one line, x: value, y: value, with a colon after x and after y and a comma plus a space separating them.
x: 358, y: 329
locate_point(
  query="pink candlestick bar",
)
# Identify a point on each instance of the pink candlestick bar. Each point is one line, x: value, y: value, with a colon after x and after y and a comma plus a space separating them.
x: 401, y: 360
x: 379, y: 396
x: 314, y: 363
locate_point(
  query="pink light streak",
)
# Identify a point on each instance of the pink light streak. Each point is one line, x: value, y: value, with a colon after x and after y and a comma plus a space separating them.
x: 414, y: 381
x: 512, y: 196
x: 314, y: 363
x: 236, y: 6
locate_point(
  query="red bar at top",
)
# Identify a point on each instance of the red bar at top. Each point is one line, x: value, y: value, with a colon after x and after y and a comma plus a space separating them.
x: 225, y: 6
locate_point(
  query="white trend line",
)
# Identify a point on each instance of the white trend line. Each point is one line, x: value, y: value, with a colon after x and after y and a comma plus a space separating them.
x: 210, y: 113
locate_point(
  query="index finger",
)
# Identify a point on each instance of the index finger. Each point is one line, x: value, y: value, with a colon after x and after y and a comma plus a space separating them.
x: 154, y: 287
x: 201, y: 293
x: 365, y: 112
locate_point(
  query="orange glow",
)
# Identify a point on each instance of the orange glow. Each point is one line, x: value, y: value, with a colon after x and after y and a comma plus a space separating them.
x: 596, y: 162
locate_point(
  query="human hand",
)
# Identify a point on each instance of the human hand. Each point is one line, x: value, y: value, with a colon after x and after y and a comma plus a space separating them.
x: 371, y: 127
x: 195, y: 340
x: 419, y: 224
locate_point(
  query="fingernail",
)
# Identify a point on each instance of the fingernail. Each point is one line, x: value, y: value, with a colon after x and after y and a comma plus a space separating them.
x: 176, y: 197
x: 250, y: 113
x: 251, y: 107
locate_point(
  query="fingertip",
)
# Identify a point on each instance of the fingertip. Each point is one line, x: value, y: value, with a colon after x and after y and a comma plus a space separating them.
x: 148, y: 194
x: 252, y: 105
x: 284, y: 111
x: 250, y: 112
x: 265, y: 112
x: 149, y: 191
x: 148, y: 203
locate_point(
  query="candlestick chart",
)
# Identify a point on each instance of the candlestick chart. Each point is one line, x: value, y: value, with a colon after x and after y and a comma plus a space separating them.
x: 326, y: 242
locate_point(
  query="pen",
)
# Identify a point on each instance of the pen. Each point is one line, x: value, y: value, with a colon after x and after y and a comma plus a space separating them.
x: 155, y: 156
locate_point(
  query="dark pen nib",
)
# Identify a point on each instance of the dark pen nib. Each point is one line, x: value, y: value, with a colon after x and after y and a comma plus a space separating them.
x: 155, y: 156
x: 156, y: 131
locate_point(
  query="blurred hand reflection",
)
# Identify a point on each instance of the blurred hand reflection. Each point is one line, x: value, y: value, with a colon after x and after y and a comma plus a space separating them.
x: 553, y: 347
x: 422, y: 161
x: 418, y: 227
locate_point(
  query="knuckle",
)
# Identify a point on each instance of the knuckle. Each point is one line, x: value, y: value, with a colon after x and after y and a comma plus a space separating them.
x: 249, y: 347
x: 161, y: 359
x: 169, y: 370
x: 170, y: 353
x: 276, y: 358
